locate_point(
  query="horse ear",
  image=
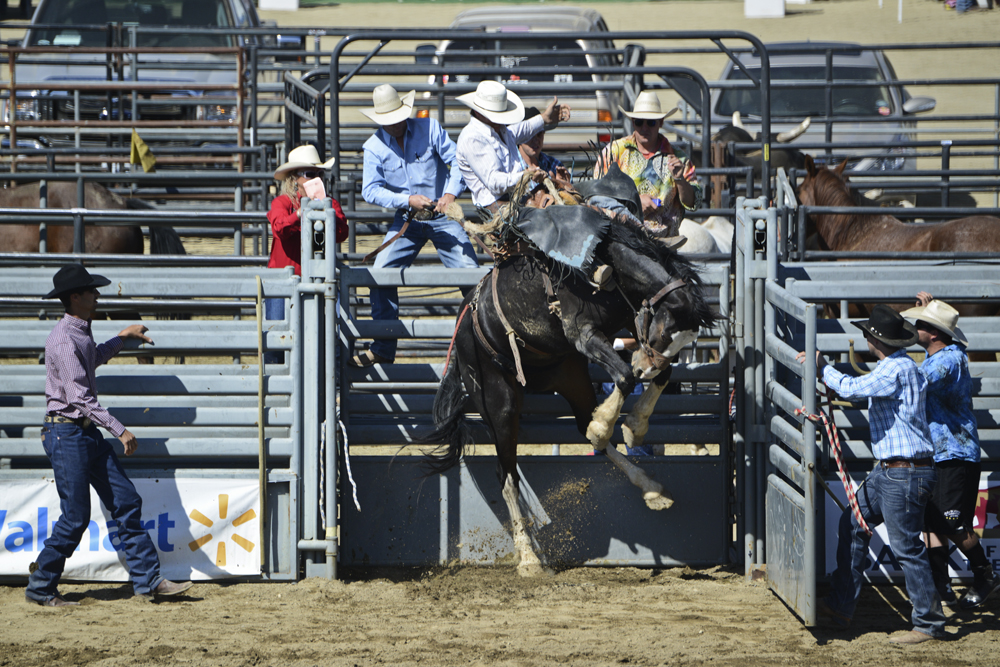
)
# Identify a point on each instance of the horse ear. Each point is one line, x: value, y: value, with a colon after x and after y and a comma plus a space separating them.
x: 810, y: 165
x: 839, y: 170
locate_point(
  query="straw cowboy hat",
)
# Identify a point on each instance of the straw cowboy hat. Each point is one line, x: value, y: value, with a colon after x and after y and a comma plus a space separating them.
x: 888, y: 326
x: 73, y: 278
x: 647, y: 106
x: 390, y: 107
x: 302, y: 157
x: 498, y: 104
x: 939, y: 315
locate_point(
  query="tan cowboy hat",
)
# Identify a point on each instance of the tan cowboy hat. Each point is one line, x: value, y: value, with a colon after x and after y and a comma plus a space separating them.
x: 495, y: 102
x: 939, y: 315
x: 302, y: 157
x: 647, y: 106
x: 390, y: 107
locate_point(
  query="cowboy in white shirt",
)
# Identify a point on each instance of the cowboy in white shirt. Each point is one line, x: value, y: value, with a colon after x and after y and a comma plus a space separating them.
x: 487, y: 147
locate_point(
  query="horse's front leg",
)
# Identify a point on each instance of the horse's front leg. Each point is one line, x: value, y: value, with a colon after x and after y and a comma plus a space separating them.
x: 595, y: 346
x: 637, y: 423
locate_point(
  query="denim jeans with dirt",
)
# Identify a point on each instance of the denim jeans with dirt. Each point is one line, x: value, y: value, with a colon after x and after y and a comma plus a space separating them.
x: 897, y: 497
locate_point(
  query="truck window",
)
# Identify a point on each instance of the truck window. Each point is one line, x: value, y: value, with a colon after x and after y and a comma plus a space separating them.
x: 514, y: 57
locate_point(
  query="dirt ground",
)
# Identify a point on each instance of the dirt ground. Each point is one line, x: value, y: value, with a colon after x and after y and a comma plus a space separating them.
x: 490, y: 616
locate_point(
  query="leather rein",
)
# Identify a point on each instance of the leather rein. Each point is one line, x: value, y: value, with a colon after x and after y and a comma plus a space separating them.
x: 644, y: 319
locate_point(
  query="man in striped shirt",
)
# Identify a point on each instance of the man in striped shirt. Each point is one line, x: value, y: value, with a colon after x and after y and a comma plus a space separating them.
x: 897, y: 490
x: 79, y: 453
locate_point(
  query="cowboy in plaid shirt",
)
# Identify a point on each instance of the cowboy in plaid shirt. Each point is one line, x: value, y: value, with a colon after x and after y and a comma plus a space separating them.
x: 897, y: 490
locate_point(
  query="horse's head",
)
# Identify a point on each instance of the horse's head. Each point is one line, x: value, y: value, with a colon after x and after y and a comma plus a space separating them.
x: 666, y: 323
x: 821, y: 185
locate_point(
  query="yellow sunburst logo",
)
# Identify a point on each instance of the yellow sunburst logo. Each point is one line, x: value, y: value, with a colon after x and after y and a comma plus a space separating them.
x: 220, y: 551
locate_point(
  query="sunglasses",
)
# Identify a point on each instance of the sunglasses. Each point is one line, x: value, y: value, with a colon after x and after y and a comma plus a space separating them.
x: 640, y: 122
x: 310, y: 174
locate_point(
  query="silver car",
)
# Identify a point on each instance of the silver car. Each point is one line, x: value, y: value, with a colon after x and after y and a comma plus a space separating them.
x: 876, y: 110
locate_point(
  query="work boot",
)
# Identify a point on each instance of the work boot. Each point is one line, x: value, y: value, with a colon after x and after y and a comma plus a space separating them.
x: 912, y: 637
x: 54, y: 601
x: 985, y: 583
x: 948, y: 597
x: 167, y: 588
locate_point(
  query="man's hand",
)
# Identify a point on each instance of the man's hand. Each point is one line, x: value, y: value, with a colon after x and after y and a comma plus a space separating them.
x: 820, y: 359
x: 537, y: 174
x: 443, y: 202
x: 135, y: 331
x: 676, y: 167
x: 129, y: 441
x: 555, y: 113
x: 924, y: 299
x: 649, y: 204
x: 420, y: 202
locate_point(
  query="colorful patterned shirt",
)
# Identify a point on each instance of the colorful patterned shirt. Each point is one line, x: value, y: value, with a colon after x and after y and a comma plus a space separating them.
x: 896, y: 393
x: 71, y: 357
x: 652, y: 177
x: 949, y: 405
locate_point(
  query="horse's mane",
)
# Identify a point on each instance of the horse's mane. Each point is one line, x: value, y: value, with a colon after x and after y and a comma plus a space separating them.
x: 641, y: 241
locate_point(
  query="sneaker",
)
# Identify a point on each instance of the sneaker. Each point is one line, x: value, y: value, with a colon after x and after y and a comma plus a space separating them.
x: 948, y: 597
x: 978, y: 593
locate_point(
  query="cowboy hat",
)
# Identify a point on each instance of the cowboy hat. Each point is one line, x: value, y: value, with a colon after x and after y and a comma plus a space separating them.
x: 302, y: 157
x: 390, y: 107
x: 888, y: 326
x: 939, y: 315
x: 74, y: 278
x: 495, y: 102
x: 647, y: 106
x: 615, y: 184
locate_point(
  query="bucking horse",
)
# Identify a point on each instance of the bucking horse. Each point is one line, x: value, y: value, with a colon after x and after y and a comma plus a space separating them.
x: 537, y: 320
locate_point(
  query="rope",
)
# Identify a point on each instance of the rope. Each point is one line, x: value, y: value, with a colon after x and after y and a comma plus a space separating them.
x: 833, y: 436
x: 347, y: 461
x: 451, y: 345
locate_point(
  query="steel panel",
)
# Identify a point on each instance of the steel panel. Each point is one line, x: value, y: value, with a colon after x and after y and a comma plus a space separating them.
x: 786, y: 546
x: 597, y: 517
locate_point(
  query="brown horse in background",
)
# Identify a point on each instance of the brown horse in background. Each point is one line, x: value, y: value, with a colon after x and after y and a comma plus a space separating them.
x: 99, y: 239
x: 880, y: 232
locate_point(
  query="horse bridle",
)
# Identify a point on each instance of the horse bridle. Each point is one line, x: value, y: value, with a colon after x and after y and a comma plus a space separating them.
x: 644, y: 319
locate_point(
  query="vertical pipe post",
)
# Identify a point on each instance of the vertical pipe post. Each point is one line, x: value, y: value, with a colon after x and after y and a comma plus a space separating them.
x: 812, y: 538
x: 945, y: 167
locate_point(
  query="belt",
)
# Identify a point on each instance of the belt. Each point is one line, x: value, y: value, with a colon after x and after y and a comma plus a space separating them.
x: 908, y: 463
x: 82, y: 422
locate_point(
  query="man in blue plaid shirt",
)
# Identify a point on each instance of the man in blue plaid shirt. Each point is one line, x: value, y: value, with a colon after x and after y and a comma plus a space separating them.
x: 897, y: 490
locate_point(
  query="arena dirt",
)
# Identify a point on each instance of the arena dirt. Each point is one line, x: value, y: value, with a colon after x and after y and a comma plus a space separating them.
x: 490, y: 616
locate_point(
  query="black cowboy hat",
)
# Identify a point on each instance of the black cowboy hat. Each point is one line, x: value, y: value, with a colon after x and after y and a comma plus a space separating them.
x: 888, y: 326
x: 74, y: 278
x: 617, y: 185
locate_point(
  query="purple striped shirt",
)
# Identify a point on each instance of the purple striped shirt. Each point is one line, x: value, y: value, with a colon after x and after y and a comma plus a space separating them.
x: 71, y: 357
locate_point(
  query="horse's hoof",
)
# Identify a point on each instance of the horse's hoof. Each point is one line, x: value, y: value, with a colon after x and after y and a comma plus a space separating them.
x: 529, y: 570
x: 657, y: 501
x: 599, y: 435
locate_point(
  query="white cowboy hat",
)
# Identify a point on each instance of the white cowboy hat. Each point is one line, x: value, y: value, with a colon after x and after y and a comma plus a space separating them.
x: 390, y: 107
x: 495, y: 102
x: 302, y: 157
x: 647, y: 106
x: 939, y: 315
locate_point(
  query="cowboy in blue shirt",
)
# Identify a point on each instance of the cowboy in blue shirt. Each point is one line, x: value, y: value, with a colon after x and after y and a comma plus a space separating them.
x: 897, y: 490
x: 410, y: 165
x: 956, y: 451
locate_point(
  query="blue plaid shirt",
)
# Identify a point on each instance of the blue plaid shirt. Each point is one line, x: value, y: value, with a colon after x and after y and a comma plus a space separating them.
x: 949, y: 405
x: 896, y: 393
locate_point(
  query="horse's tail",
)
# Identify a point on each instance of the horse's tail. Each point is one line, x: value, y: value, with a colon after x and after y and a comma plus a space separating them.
x: 451, y: 430
x: 162, y: 240
x: 165, y: 241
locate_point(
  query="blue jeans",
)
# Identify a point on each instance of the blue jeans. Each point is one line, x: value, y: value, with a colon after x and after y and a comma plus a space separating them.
x: 896, y: 496
x: 274, y: 309
x: 81, y: 458
x: 453, y: 247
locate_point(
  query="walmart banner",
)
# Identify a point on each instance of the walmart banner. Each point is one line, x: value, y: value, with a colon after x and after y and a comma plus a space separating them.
x: 882, y: 561
x: 203, y: 528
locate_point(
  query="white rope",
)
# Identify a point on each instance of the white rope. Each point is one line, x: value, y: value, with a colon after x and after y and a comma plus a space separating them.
x: 347, y: 460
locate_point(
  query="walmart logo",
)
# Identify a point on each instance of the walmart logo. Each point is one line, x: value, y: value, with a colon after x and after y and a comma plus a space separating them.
x: 220, y: 549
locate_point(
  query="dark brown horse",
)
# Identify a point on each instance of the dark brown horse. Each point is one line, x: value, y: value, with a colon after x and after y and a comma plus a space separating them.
x: 561, y: 334
x: 100, y: 239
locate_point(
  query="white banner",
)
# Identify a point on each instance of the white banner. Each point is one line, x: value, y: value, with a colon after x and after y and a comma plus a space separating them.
x: 882, y: 562
x: 203, y: 528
